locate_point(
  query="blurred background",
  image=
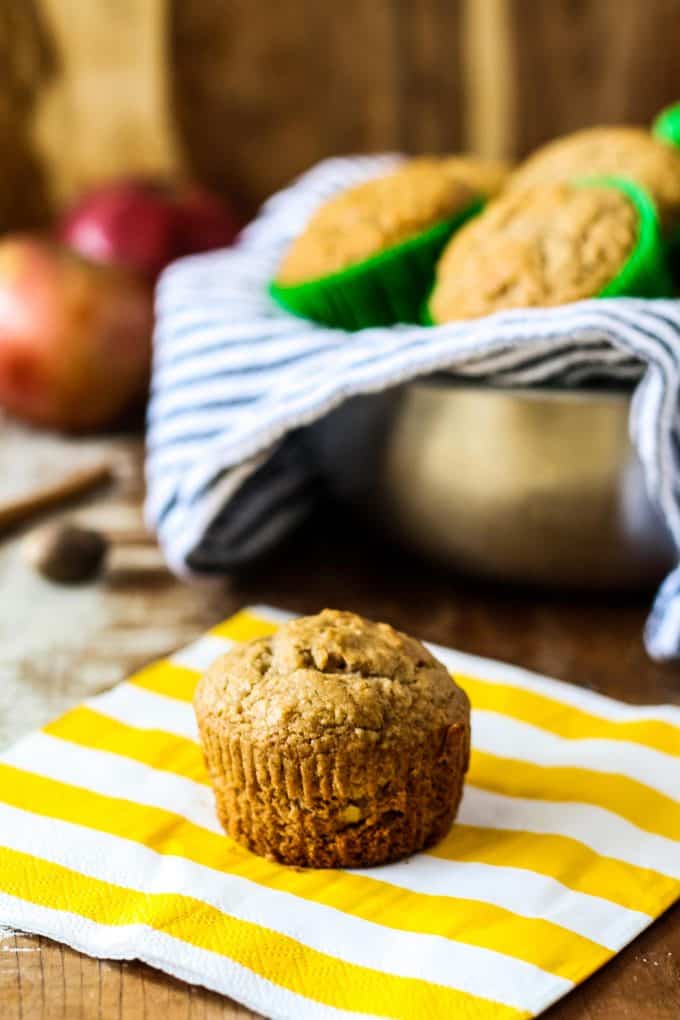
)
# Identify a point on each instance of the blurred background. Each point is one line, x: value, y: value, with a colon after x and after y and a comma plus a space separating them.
x: 242, y: 96
x: 234, y: 98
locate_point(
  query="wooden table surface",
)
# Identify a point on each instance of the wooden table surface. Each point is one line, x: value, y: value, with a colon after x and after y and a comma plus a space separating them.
x: 58, y: 645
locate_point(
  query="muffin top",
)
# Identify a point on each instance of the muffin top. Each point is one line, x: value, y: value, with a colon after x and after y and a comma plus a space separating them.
x: 485, y: 176
x: 332, y: 678
x: 539, y: 246
x: 615, y: 151
x: 370, y: 217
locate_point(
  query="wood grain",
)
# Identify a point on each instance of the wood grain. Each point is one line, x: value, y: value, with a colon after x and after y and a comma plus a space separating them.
x: 21, y: 509
x: 582, y: 62
x: 27, y: 66
x: 59, y: 645
x: 278, y: 88
x: 41, y: 979
x: 244, y: 96
x: 332, y: 561
x: 490, y: 95
x: 430, y: 77
x: 247, y: 95
x: 106, y: 111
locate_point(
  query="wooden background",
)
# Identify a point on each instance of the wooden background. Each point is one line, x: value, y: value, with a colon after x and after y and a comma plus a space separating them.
x: 243, y: 94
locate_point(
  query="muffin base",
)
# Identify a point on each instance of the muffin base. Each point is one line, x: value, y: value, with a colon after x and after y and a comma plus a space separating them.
x: 308, y: 809
x: 378, y: 291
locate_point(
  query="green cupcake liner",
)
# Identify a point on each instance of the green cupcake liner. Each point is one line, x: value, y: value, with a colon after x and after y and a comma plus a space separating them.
x: 674, y: 259
x: 646, y: 271
x: 667, y: 128
x: 378, y: 291
x: 667, y: 125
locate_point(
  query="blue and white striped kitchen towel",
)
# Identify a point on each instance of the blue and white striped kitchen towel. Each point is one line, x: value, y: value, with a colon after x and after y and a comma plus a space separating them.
x: 238, y: 383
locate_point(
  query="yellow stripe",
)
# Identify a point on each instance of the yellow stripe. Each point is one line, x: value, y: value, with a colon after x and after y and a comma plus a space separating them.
x: 570, y: 862
x: 541, y: 710
x: 536, y: 941
x: 563, y: 720
x: 559, y: 857
x: 278, y: 958
x: 156, y: 748
x: 244, y: 626
x: 164, y: 677
x: 634, y: 801
x: 567, y: 720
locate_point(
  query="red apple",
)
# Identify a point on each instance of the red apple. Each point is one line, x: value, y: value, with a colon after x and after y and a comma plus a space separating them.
x: 145, y: 224
x: 75, y: 336
x: 203, y: 222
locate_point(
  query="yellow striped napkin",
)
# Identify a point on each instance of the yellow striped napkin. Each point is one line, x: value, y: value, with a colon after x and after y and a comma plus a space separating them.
x: 567, y: 845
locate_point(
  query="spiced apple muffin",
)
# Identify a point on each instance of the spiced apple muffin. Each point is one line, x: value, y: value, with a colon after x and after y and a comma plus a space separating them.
x: 621, y: 151
x: 366, y: 257
x: 551, y: 245
x: 337, y: 742
x: 486, y: 177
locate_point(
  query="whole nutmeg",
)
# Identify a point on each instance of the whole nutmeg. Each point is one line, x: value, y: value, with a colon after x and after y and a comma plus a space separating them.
x: 66, y: 553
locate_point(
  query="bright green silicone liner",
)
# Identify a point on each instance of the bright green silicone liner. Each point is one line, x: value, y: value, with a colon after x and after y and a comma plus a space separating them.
x: 646, y: 272
x: 378, y: 291
x: 667, y: 128
x: 674, y: 258
x: 667, y: 125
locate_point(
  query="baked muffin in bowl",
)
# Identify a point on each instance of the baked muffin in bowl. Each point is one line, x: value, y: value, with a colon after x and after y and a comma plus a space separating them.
x: 620, y: 151
x: 553, y: 244
x: 366, y: 257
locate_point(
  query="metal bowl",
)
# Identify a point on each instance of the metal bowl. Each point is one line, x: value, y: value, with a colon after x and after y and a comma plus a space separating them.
x: 540, y: 486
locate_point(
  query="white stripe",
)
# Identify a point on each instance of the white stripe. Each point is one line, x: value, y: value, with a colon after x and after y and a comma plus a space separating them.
x: 307, y: 400
x: 514, y: 676
x: 191, y: 528
x: 225, y: 358
x: 604, y: 832
x: 182, y: 399
x: 206, y: 422
x: 664, y: 634
x: 183, y: 961
x: 201, y: 282
x: 200, y: 318
x: 186, y: 381
x: 503, y: 735
x: 518, y: 890
x: 131, y: 705
x: 495, y: 671
x: 114, y: 775
x: 510, y: 738
x: 146, y: 710
x: 202, y: 653
x: 171, y: 459
x: 270, y: 614
x: 506, y: 361
x: 433, y: 958
x: 521, y: 891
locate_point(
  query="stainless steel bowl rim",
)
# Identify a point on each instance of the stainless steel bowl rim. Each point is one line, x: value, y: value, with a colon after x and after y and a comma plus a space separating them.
x: 583, y: 394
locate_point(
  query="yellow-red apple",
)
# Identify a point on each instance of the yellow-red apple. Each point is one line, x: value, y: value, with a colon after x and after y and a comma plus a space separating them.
x: 75, y: 336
